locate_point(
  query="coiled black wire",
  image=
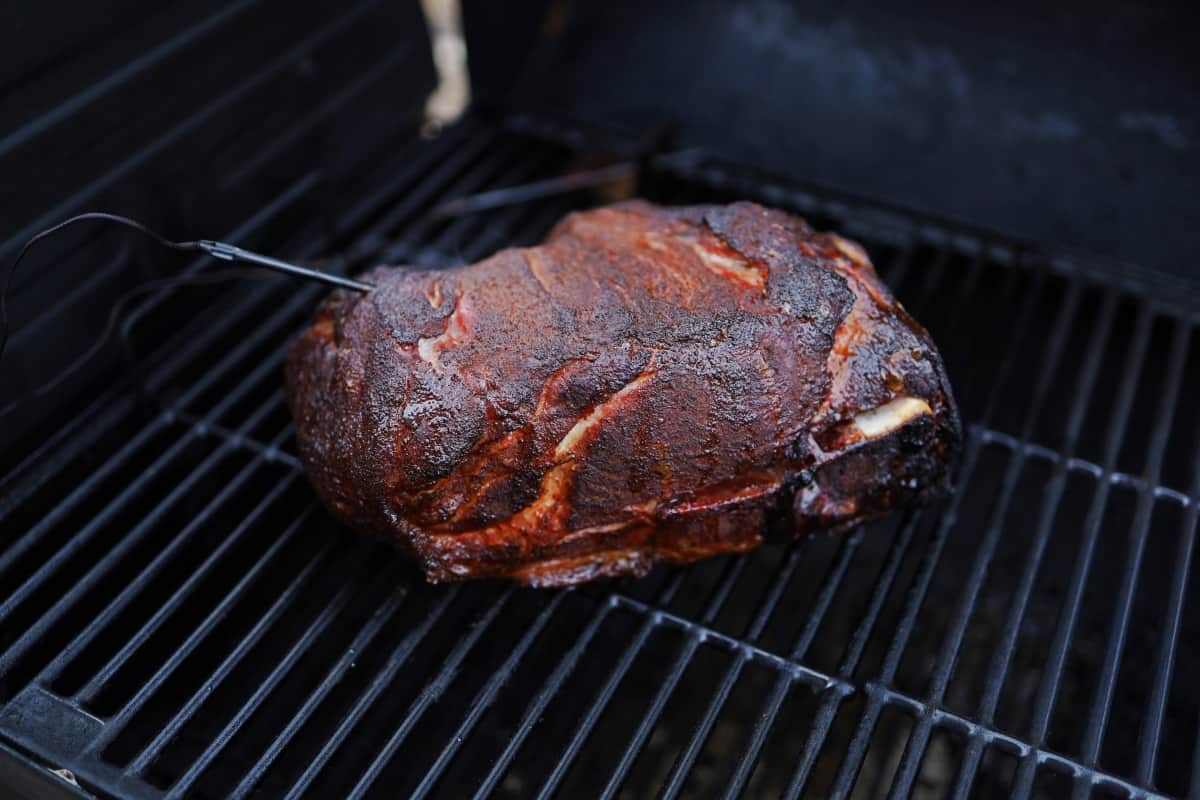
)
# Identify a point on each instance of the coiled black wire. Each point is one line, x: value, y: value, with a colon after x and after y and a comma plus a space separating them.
x: 118, y: 307
x: 91, y: 215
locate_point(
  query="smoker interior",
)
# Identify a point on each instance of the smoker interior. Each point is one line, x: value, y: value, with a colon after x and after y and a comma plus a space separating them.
x: 178, y: 616
x: 181, y: 618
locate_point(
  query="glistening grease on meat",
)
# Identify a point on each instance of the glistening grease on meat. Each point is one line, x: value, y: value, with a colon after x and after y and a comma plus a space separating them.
x: 649, y: 384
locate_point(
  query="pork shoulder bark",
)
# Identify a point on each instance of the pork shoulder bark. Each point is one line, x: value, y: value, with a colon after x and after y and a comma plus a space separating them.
x: 649, y: 384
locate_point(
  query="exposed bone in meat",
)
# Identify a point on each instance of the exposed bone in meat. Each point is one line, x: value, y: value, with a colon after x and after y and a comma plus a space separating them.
x: 650, y: 384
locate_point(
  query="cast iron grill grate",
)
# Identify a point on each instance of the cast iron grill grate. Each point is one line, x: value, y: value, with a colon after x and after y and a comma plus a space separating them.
x: 179, y: 619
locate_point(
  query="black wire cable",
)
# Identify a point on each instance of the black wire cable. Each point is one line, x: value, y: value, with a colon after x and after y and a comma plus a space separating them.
x: 114, y: 316
x: 219, y: 250
x: 91, y: 215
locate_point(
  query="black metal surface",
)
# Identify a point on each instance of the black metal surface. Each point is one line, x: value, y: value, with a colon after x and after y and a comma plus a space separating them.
x: 1066, y: 123
x: 179, y: 618
x: 23, y: 779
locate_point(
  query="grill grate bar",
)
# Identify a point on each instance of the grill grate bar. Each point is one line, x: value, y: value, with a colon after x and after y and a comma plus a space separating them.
x: 419, y: 160
x: 370, y: 204
x: 368, y: 241
x: 870, y: 220
x: 396, y: 659
x: 446, y: 248
x: 336, y: 672
x: 271, y: 451
x: 282, y: 202
x: 168, y: 607
x: 616, y: 675
x: 858, y: 746
x: 858, y: 643
x: 720, y: 593
x: 683, y: 764
x: 81, y: 100
x: 1097, y: 471
x: 106, y: 275
x: 952, y: 645
x: 833, y: 581
x: 1102, y: 704
x: 209, y: 622
x: 733, y: 644
x: 496, y: 235
x: 87, y: 693
x: 27, y: 476
x: 1152, y: 728
x: 207, y: 426
x: 365, y: 80
x: 696, y: 636
x: 523, y: 170
x: 429, y: 693
x: 79, y: 492
x: 931, y: 277
x: 131, y: 590
x: 100, y: 568
x: 1195, y: 783
x: 84, y: 427
x: 1056, y: 660
x: 183, y: 351
x: 1025, y: 317
x: 916, y: 598
x: 417, y: 198
x: 561, y: 672
x: 827, y: 712
x: 97, y: 523
x: 282, y: 668
x: 487, y: 695
x: 966, y: 291
x: 883, y: 585
x: 189, y: 125
x: 976, y: 367
x: 456, y: 244
x: 549, y: 689
x: 277, y: 318
x: 498, y: 158
x: 897, y: 268
x: 98, y: 623
x: 687, y: 650
x: 894, y: 272
x: 101, y: 472
x: 779, y: 584
x: 150, y: 751
x: 743, y: 769
x: 753, y: 630
x: 822, y: 722
x: 885, y: 696
x: 1002, y: 658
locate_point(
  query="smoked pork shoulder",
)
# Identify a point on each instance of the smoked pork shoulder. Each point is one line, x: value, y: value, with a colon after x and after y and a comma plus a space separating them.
x: 650, y: 384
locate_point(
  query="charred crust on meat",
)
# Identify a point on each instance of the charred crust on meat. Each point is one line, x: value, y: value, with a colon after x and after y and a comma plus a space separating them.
x: 650, y: 384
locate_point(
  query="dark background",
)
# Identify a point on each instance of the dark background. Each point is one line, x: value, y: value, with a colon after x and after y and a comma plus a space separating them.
x: 1072, y: 124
